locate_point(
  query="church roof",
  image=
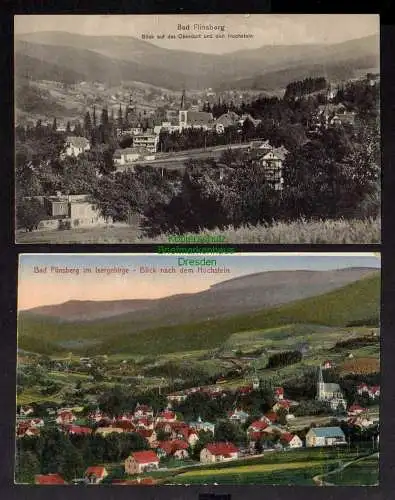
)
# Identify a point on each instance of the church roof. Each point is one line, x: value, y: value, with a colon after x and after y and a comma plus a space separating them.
x: 199, y: 117
x: 331, y: 387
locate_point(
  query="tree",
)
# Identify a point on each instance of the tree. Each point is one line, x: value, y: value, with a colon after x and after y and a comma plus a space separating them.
x: 258, y: 446
x: 120, y: 118
x: 29, y: 213
x: 54, y: 125
x: 27, y: 466
x: 70, y: 462
x: 68, y: 128
x: 87, y: 125
x: 228, y: 431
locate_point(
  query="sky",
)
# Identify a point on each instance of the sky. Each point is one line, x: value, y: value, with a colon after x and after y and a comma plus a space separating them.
x: 267, y: 29
x: 37, y: 289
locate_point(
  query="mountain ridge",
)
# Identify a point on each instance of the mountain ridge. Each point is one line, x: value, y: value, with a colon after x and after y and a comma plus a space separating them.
x: 244, y: 293
x: 118, y: 59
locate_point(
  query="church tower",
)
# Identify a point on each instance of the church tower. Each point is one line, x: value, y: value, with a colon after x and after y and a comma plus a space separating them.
x: 183, y: 101
x: 183, y: 113
x: 320, y: 385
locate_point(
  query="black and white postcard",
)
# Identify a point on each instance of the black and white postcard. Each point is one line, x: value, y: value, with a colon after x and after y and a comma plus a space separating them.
x: 258, y: 128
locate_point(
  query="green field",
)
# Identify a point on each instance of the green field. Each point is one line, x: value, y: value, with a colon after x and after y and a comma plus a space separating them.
x: 363, y: 472
x: 296, y: 467
x: 353, y: 302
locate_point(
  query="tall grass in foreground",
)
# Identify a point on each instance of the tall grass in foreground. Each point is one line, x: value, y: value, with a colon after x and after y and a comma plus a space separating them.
x: 365, y: 231
x: 301, y: 231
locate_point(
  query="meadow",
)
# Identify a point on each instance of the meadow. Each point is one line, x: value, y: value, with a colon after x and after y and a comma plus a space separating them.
x: 302, y: 231
x: 364, y: 472
x: 293, y: 467
x: 338, y: 308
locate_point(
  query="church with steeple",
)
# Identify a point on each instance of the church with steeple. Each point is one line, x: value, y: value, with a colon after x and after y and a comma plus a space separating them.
x: 189, y: 118
x: 329, y: 392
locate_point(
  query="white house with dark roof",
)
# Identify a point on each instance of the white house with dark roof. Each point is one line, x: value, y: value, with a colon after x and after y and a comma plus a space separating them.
x: 74, y: 146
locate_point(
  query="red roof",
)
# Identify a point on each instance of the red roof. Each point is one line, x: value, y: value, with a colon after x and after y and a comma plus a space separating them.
x: 145, y: 432
x: 171, y: 446
x: 259, y: 424
x: 255, y: 436
x: 49, y: 479
x: 221, y: 448
x: 355, y: 408
x: 77, y: 429
x: 125, y: 424
x: 286, y: 436
x: 95, y: 471
x: 168, y: 415
x: 271, y: 415
x: 284, y: 403
x: 145, y: 457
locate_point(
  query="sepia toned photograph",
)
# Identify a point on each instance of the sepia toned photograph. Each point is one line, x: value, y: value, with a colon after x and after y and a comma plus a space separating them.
x: 260, y: 128
x: 244, y: 369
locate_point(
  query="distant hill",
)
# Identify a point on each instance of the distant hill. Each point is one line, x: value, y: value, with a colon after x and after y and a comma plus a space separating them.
x: 176, y: 331
x: 114, y: 59
x: 246, y: 293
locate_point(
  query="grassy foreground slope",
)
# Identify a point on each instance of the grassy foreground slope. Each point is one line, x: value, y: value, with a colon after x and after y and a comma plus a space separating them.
x: 356, y: 302
x: 367, y: 231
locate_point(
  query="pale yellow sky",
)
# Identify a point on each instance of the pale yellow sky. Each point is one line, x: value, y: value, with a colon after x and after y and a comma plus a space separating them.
x: 267, y: 29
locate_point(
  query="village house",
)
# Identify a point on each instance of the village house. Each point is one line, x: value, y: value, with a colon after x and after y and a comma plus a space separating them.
x: 355, y: 410
x: 74, y: 146
x: 219, y: 452
x: 284, y: 404
x: 105, y: 431
x: 290, y: 440
x: 127, y: 155
x: 176, y: 448
x: 65, y: 417
x: 278, y: 393
x: 167, y: 416
x: 247, y: 116
x: 36, y: 422
x: 50, y: 479
x: 77, y: 430
x: 177, y: 397
x: 149, y: 435
x: 199, y: 425
x: 238, y: 416
x: 363, y: 421
x: 272, y: 162
x: 143, y: 411
x: 141, y: 461
x: 144, y: 423
x: 25, y: 411
x: 325, y: 436
x: 372, y: 391
x: 77, y: 210
x: 270, y: 417
x: 147, y: 141
x: 95, y: 474
x: 257, y: 426
x: 193, y: 438
x: 226, y: 120
x: 25, y: 429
